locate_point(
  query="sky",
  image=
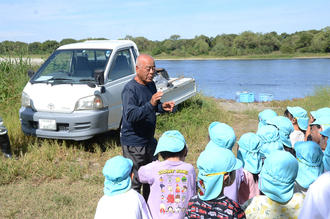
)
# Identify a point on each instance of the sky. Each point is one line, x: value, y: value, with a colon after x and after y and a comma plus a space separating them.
x: 41, y: 20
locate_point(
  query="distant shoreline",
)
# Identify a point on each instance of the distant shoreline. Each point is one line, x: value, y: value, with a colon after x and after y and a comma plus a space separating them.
x: 197, y: 59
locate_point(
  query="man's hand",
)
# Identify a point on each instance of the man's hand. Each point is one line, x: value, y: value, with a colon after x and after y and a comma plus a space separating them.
x: 157, y: 96
x: 168, y: 106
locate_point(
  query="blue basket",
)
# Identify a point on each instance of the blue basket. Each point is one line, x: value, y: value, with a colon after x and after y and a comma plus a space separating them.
x: 246, y: 97
x: 266, y: 97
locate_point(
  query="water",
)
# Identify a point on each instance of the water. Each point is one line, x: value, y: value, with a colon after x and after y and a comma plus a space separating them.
x: 284, y: 78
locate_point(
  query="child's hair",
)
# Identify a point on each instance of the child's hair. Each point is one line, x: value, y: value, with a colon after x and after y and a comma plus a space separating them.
x: 288, y: 114
x: 255, y: 177
x: 166, y: 154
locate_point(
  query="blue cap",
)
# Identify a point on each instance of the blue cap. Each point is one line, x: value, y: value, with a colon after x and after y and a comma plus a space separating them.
x: 264, y: 116
x: 278, y: 175
x: 310, y: 155
x: 117, y: 175
x: 212, y: 166
x: 171, y: 141
x: 326, y: 157
x: 221, y: 135
x: 301, y: 115
x: 323, y: 121
x: 321, y: 112
x: 248, y: 152
x: 285, y: 128
x: 270, y: 138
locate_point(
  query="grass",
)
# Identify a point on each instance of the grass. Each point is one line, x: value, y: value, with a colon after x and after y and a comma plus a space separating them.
x: 63, y: 179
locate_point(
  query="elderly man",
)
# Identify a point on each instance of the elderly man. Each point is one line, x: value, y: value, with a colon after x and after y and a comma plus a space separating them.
x: 141, y: 101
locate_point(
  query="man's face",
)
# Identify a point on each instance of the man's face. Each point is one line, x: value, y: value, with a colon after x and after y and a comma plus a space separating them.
x: 315, y: 132
x: 323, y: 142
x: 146, y: 70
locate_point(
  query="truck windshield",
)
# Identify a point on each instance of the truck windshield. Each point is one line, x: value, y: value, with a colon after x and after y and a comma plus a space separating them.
x: 72, y: 66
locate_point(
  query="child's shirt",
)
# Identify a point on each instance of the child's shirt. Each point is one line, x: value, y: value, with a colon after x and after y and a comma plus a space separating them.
x: 172, y: 184
x: 263, y: 207
x: 130, y: 204
x: 248, y: 189
x: 232, y: 191
x: 295, y: 136
x: 222, y: 207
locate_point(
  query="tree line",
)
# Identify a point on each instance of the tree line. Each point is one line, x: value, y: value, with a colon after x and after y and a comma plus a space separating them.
x: 224, y: 45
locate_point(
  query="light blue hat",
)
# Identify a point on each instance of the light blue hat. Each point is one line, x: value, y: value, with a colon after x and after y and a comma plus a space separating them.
x: 248, y: 152
x: 171, y: 141
x: 326, y: 157
x: 221, y: 135
x: 309, y: 155
x: 323, y: 121
x: 321, y: 112
x: 278, y: 175
x: 264, y: 116
x: 301, y: 115
x: 117, y: 175
x: 285, y: 128
x: 270, y: 138
x: 212, y: 166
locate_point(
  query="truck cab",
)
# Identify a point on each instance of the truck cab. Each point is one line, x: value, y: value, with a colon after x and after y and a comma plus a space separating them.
x: 76, y: 93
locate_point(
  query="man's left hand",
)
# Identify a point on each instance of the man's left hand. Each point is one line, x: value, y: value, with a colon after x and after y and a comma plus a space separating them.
x: 168, y: 106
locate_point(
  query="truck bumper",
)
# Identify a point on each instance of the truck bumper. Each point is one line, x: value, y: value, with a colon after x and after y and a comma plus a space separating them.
x: 79, y: 125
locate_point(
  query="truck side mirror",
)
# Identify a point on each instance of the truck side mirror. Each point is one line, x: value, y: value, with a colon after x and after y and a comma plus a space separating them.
x: 99, y: 76
x: 30, y: 73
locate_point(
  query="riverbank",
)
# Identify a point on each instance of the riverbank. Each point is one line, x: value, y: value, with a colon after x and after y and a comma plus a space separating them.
x: 49, y: 175
x: 39, y: 59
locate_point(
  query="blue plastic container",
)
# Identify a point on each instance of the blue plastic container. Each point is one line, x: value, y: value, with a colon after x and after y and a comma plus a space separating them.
x: 266, y: 97
x: 246, y: 97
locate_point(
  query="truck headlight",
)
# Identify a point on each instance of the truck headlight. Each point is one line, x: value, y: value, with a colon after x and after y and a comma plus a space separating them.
x: 89, y: 103
x: 25, y: 101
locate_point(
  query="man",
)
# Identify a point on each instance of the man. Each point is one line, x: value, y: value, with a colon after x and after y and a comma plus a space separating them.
x: 141, y: 101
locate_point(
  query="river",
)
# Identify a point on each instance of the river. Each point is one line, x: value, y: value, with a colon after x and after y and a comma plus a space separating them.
x: 283, y: 78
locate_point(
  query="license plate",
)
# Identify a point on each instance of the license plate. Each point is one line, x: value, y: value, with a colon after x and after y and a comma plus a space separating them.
x: 48, y: 124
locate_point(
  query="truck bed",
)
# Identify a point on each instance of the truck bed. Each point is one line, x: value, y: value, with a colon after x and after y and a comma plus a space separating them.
x: 179, y: 90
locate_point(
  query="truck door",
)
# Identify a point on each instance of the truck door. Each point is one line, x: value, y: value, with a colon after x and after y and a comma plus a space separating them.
x: 122, y: 71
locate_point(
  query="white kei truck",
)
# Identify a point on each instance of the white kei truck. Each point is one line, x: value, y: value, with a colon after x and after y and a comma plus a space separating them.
x: 76, y: 92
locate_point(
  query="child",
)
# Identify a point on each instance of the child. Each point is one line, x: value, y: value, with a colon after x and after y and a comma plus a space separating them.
x: 270, y: 139
x: 319, y: 125
x: 315, y: 115
x: 276, y: 182
x: 309, y: 155
x: 264, y: 116
x: 316, y: 204
x: 216, y: 171
x: 172, y: 181
x: 325, y: 141
x: 222, y: 135
x: 298, y: 117
x: 119, y: 200
x: 248, y: 153
x: 285, y: 128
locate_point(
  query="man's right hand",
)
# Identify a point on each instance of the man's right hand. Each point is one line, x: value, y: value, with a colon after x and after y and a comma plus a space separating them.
x: 157, y: 96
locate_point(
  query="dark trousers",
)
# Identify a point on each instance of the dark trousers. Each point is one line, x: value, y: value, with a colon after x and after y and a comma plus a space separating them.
x: 140, y: 157
x: 5, y: 144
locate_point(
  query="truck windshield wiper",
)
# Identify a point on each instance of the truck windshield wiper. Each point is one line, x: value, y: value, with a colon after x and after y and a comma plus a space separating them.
x: 87, y: 79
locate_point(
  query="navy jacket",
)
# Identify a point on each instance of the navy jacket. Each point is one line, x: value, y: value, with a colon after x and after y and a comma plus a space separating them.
x: 139, y: 115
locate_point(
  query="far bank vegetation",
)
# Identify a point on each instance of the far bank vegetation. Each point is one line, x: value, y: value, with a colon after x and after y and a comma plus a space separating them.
x: 247, y: 43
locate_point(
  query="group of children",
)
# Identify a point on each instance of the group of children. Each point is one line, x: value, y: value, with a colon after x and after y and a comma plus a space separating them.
x: 280, y: 172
